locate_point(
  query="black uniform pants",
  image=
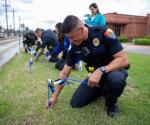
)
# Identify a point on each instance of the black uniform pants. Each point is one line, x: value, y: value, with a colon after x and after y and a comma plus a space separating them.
x: 111, y: 87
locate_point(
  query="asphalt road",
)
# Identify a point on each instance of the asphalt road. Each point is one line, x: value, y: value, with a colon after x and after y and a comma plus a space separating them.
x: 8, y: 48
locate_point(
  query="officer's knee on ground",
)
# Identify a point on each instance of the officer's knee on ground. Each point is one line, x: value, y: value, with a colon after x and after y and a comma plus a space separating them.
x: 76, y: 104
x: 79, y: 98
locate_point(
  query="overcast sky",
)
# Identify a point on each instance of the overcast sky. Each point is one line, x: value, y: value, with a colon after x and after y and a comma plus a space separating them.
x: 46, y: 13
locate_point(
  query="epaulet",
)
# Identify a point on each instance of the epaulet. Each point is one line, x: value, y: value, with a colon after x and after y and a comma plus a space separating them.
x: 102, y: 28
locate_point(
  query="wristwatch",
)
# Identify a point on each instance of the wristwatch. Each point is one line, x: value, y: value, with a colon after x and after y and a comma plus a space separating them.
x: 103, y: 69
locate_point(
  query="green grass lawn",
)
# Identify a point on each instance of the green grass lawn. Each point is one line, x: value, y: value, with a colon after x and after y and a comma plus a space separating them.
x: 22, y: 96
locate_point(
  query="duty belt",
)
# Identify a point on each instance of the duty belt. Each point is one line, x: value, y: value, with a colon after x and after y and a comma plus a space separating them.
x: 90, y: 69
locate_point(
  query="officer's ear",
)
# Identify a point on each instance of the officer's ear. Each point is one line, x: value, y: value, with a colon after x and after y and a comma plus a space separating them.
x: 82, y: 29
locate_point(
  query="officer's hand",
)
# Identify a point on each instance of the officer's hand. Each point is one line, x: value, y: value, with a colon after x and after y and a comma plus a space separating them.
x: 60, y: 55
x: 94, y: 78
x: 53, y: 101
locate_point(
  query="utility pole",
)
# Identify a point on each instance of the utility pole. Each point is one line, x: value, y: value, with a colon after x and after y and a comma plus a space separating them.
x: 19, y: 24
x: 14, y: 20
x: 5, y: 5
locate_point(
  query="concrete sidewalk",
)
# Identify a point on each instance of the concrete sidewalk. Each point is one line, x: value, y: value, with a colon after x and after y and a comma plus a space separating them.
x: 137, y: 48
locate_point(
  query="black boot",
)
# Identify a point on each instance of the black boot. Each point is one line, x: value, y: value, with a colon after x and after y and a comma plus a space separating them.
x: 112, y: 111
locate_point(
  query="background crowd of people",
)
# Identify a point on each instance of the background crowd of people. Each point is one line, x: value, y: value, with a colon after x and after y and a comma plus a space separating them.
x: 55, y: 42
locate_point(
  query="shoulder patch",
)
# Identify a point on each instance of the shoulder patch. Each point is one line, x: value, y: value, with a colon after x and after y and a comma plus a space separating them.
x: 110, y: 34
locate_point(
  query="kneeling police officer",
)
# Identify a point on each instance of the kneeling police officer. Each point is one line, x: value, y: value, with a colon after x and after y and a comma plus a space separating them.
x: 100, y: 49
x: 48, y: 39
x: 28, y: 40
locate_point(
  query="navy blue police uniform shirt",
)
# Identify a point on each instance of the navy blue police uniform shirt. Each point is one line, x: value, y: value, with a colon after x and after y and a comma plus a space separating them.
x: 97, y: 50
x: 48, y: 38
x: 29, y: 38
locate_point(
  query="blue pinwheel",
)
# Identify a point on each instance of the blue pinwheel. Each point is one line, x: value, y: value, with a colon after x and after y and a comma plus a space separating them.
x: 47, y: 56
x: 51, y: 89
x: 30, y: 65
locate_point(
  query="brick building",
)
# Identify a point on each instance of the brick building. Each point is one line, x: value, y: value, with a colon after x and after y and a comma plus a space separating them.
x: 128, y: 25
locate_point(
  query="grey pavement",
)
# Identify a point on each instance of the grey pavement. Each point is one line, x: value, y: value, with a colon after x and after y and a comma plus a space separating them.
x: 137, y: 49
x: 9, y: 40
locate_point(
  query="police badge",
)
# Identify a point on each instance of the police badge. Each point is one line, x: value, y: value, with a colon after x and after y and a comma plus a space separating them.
x: 96, y: 41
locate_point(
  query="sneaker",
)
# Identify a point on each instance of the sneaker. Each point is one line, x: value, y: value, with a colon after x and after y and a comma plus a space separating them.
x: 113, y: 111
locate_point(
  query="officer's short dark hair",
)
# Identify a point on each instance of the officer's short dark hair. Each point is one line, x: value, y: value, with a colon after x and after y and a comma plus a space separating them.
x: 38, y: 30
x: 69, y: 23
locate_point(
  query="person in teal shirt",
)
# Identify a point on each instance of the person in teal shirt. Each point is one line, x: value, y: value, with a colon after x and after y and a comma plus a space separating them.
x: 96, y: 18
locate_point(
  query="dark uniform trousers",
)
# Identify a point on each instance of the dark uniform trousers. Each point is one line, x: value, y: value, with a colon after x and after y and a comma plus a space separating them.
x: 111, y: 87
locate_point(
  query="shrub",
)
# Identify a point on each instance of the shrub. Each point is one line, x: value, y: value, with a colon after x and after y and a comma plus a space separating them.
x: 123, y: 39
x: 148, y: 37
x: 142, y: 41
